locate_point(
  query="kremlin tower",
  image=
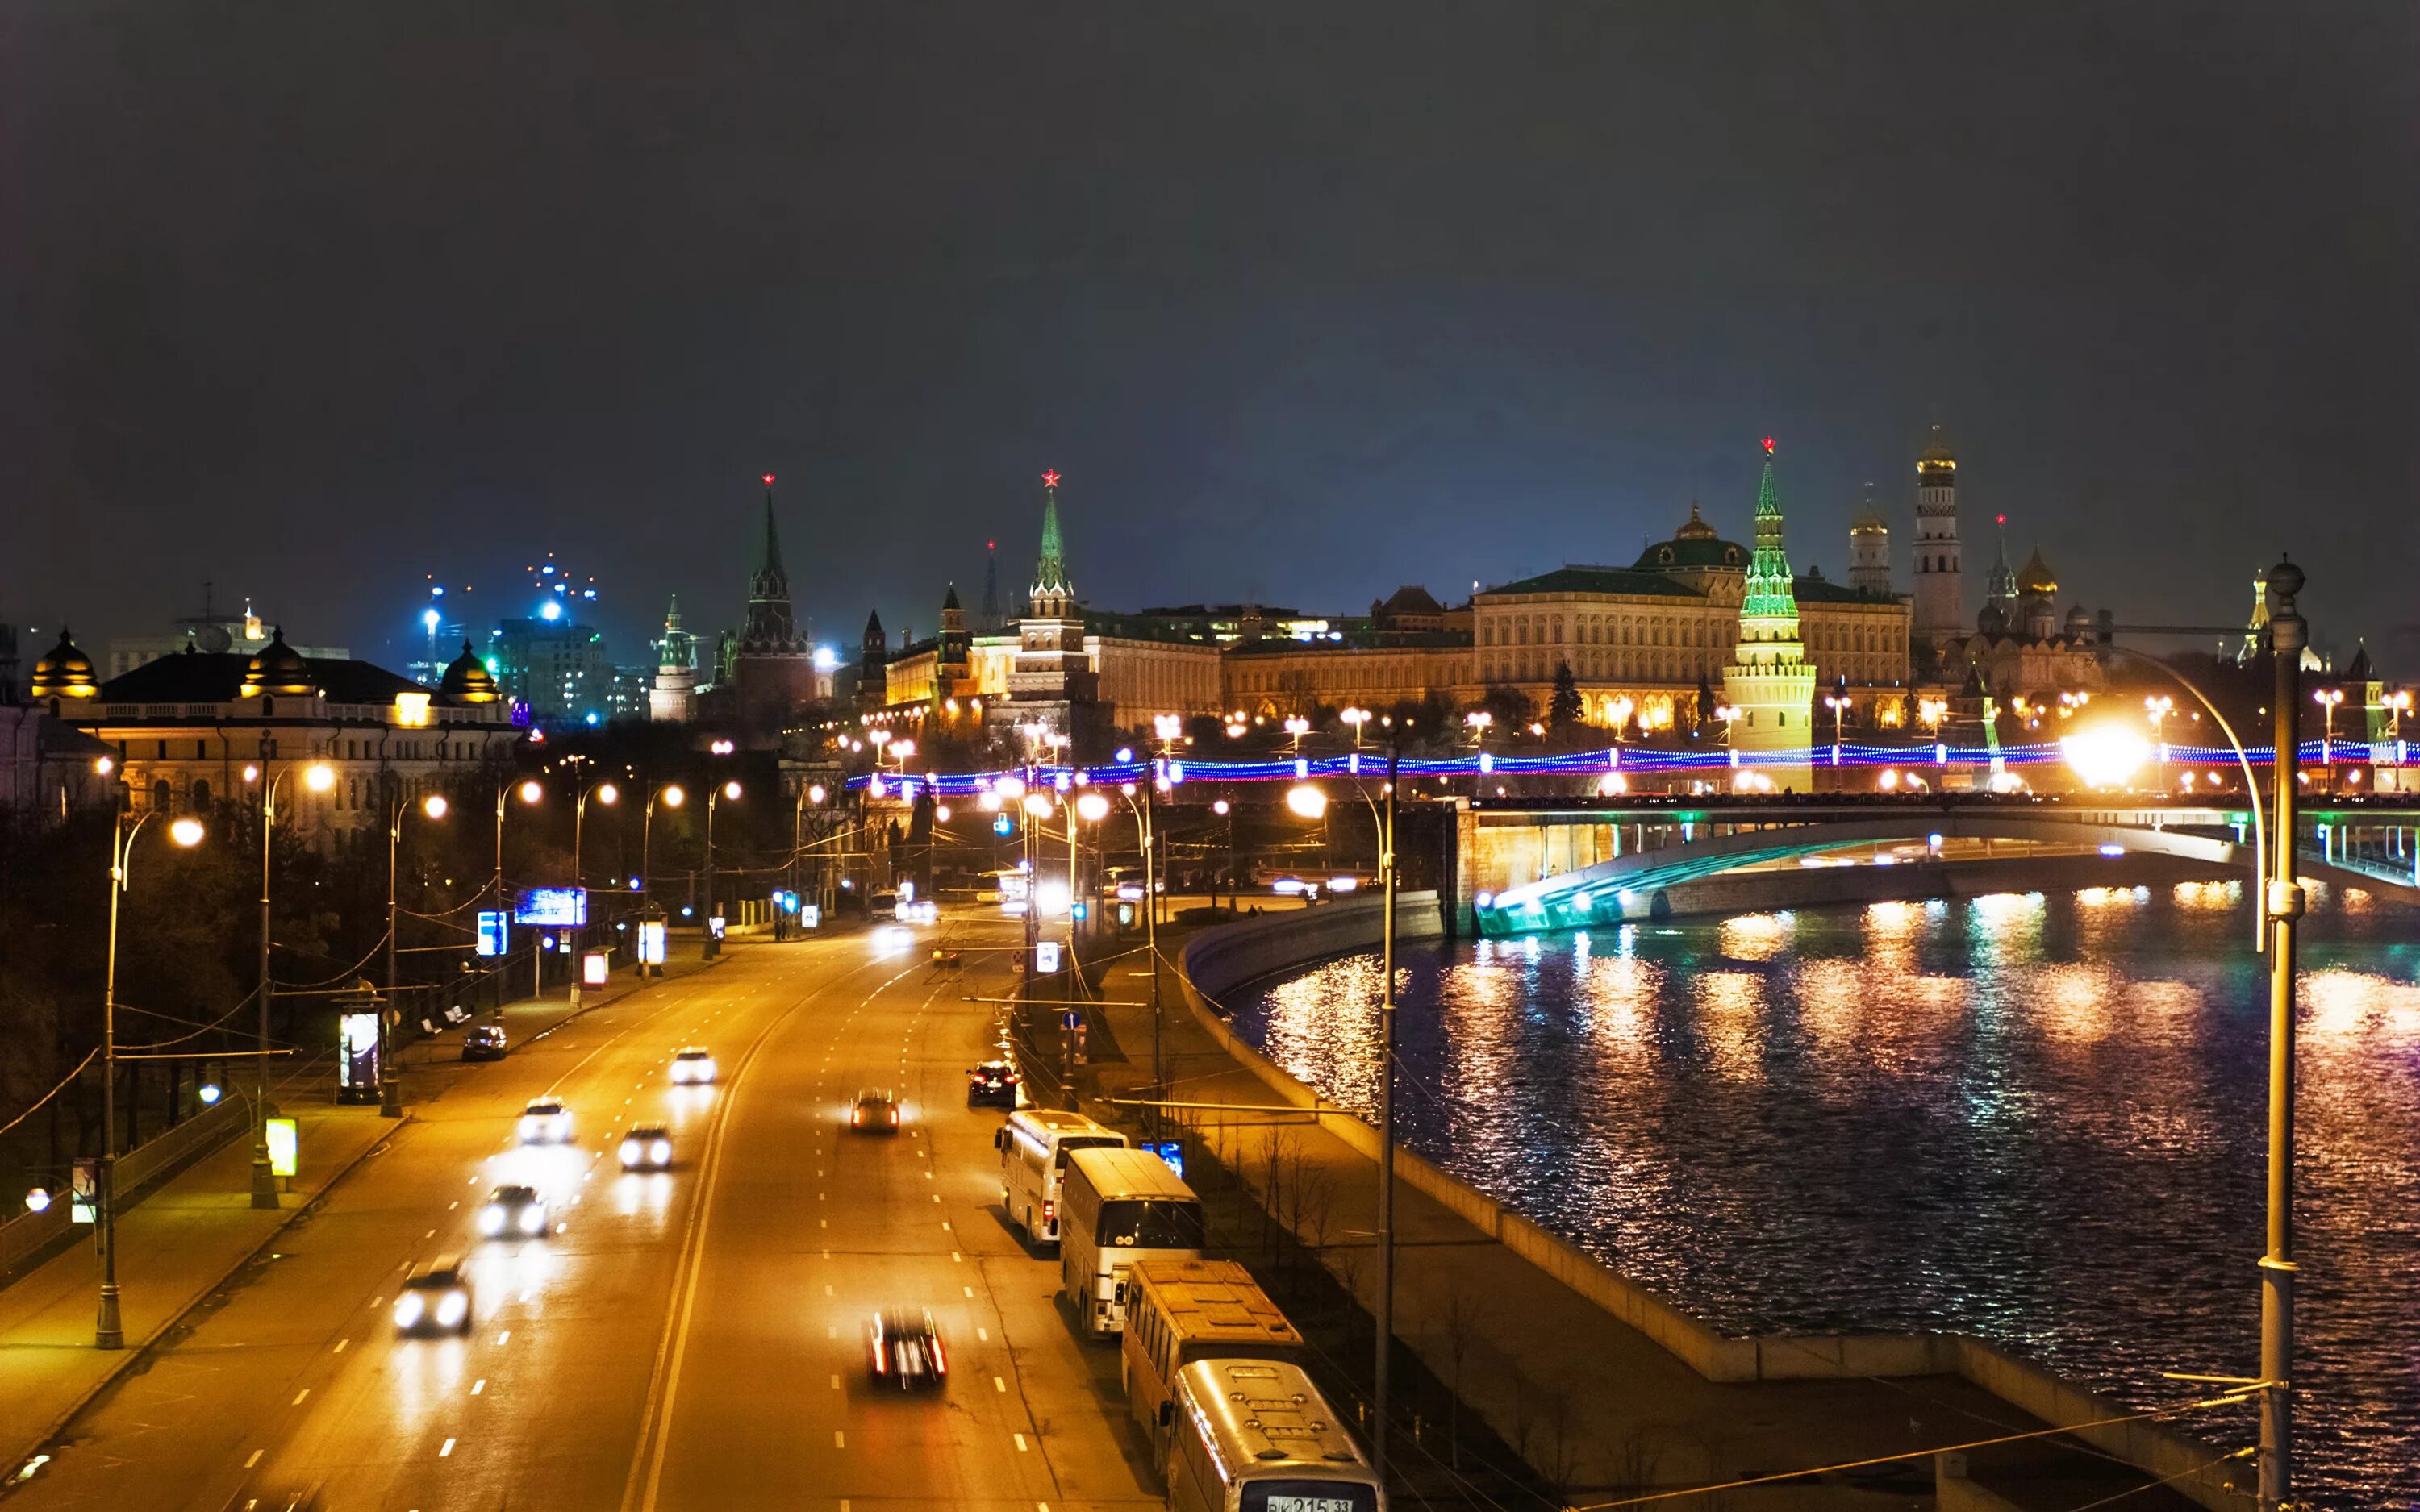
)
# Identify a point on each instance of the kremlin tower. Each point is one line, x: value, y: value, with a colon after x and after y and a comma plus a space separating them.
x: 1772, y: 684
x: 1940, y: 596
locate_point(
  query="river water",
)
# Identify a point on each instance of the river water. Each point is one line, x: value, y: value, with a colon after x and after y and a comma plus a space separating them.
x: 2035, y: 1118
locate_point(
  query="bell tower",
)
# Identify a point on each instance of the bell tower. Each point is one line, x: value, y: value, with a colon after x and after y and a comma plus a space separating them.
x: 1940, y: 610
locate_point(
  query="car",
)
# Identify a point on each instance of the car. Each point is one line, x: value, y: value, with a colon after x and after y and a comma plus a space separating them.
x: 876, y: 1111
x: 513, y: 1213
x: 484, y: 1041
x: 436, y: 1298
x: 693, y: 1067
x: 546, y: 1121
x: 883, y: 906
x: 921, y: 911
x: 647, y: 1146
x: 993, y: 1084
x: 947, y: 955
x: 903, y: 1350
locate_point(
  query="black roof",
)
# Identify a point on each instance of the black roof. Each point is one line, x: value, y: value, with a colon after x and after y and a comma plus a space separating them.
x: 217, y: 677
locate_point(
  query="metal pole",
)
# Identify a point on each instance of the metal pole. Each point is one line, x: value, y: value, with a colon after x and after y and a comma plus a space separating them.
x: 264, y: 1180
x: 1151, y: 943
x: 1386, y: 1309
x: 2284, y: 905
x: 706, y: 922
x: 108, y: 1331
x: 390, y: 1089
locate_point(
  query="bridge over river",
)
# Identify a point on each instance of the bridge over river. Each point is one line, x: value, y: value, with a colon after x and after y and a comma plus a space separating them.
x: 1529, y: 866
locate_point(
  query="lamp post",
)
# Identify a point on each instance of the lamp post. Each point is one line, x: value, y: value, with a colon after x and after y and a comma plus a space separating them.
x: 812, y: 792
x: 1311, y: 803
x: 713, y: 944
x: 318, y: 777
x: 2251, y: 784
x: 530, y: 791
x: 390, y: 1084
x: 2157, y: 708
x: 1838, y: 705
x: 2327, y: 699
x: 2284, y: 906
x: 672, y: 796
x: 1726, y: 713
x: 608, y: 795
x: 109, y: 1331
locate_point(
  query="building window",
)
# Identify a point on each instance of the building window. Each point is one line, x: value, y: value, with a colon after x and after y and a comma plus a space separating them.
x: 163, y: 797
x: 201, y: 794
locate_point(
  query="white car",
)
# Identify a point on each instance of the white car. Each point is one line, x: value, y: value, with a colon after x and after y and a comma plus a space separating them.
x: 693, y: 1067
x: 513, y: 1213
x: 437, y: 1300
x: 546, y: 1121
x: 648, y: 1146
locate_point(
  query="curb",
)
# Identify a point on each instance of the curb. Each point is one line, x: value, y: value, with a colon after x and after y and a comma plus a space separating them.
x: 137, y: 1353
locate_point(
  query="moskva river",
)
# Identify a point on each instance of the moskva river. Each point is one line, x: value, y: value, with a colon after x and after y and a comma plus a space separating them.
x: 2035, y: 1118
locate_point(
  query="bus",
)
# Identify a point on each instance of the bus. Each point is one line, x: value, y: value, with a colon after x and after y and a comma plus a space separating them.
x: 1034, y: 1147
x: 1118, y: 1207
x: 1180, y: 1311
x: 1256, y: 1436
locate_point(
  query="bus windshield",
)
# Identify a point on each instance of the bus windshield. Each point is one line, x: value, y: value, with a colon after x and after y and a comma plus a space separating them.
x: 1163, y: 1223
x: 1308, y: 1496
x: 1072, y: 1143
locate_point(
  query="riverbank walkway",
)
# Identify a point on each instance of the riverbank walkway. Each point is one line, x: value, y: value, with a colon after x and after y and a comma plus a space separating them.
x: 1602, y: 1413
x: 180, y: 1241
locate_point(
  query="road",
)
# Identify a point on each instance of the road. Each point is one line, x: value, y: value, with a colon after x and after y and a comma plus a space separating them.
x: 688, y: 1340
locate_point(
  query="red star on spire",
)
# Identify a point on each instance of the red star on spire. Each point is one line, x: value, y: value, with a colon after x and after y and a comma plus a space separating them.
x: 769, y: 480
x: 1768, y: 446
x: 1051, y: 480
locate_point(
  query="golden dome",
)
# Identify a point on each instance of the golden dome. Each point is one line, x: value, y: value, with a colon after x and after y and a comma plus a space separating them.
x: 1695, y: 528
x: 1936, y: 452
x: 64, y: 672
x: 467, y: 679
x: 2035, y: 577
x: 278, y: 668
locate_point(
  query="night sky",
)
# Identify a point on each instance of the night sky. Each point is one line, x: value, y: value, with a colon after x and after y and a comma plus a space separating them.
x: 1305, y: 301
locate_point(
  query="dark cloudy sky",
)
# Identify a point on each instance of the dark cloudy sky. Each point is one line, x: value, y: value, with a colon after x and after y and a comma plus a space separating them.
x: 1305, y: 300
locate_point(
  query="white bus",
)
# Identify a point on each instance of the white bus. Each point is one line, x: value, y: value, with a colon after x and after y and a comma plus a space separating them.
x: 1118, y: 1207
x: 1256, y: 1436
x: 1034, y: 1147
x: 1180, y: 1311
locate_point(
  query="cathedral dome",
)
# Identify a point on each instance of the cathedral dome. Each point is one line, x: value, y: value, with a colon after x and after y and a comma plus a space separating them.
x: 2079, y: 622
x: 1936, y: 452
x: 64, y: 672
x: 2035, y: 577
x: 467, y: 680
x: 1695, y: 528
x: 278, y: 667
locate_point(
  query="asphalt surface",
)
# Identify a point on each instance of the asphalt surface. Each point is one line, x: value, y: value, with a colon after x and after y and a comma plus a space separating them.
x: 687, y: 1340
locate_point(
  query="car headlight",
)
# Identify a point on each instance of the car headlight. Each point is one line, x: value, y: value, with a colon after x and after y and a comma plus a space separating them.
x: 530, y: 1128
x: 452, y: 1309
x: 408, y: 1310
x: 533, y: 1219
x: 630, y: 1153
x: 491, y: 1220
x: 680, y: 1070
x: 660, y: 1151
x: 705, y: 1071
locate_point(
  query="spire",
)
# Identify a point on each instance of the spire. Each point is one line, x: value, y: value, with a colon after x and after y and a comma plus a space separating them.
x: 950, y: 601
x: 2001, y: 586
x: 1050, y: 572
x: 1769, y: 596
x: 672, y: 615
x: 771, y: 627
x: 991, y: 615
x: 769, y: 561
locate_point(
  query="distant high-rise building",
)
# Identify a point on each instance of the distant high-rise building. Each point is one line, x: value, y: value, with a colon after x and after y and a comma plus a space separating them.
x: 557, y: 666
x: 1770, y: 682
x: 1939, y: 592
x: 1869, y: 564
x: 673, y: 700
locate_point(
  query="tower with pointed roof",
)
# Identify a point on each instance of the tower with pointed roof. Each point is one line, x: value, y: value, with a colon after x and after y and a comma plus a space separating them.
x: 988, y: 618
x: 1770, y: 681
x: 1869, y: 565
x: 1051, y: 681
x: 772, y: 666
x: 673, y: 698
x: 1940, y: 588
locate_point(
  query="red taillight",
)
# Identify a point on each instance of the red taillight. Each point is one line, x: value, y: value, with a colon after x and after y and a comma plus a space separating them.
x: 857, y: 1115
x: 894, y: 1114
x: 879, y: 1351
x: 1049, y: 1212
x: 940, y: 1358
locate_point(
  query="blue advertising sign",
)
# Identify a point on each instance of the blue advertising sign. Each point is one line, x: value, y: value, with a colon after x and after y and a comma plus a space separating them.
x: 495, y: 932
x: 551, y: 905
x: 1171, y: 1150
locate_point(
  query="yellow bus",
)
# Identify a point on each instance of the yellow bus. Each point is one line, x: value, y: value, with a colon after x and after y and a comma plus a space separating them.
x: 1119, y: 1207
x: 1180, y: 1311
x: 1256, y: 1436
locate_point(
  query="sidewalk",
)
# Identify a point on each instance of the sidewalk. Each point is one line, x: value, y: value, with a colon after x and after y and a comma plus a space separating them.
x: 1598, y: 1409
x: 187, y: 1236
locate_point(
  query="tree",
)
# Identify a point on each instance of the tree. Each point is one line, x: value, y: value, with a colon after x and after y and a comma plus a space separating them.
x: 1563, y: 708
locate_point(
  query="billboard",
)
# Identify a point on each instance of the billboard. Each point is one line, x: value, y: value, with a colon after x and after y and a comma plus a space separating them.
x: 551, y: 905
x: 595, y: 968
x: 495, y: 932
x: 357, y: 1057
x: 285, y: 1146
x: 651, y: 941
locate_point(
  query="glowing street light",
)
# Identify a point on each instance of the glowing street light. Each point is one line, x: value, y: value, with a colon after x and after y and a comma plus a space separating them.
x: 2327, y: 699
x: 1307, y: 800
x: 1092, y: 808
x: 1356, y: 717
x: 2105, y: 756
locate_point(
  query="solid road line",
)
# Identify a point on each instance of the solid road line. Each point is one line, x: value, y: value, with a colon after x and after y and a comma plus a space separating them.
x: 655, y: 1434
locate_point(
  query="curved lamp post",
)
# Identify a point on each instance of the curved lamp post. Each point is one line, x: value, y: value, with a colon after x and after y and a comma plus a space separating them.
x: 317, y: 778
x: 109, y: 1331
x: 390, y: 1084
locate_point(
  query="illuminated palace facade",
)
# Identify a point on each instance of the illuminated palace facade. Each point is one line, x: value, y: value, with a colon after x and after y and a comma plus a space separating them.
x: 186, y: 732
x: 1647, y: 643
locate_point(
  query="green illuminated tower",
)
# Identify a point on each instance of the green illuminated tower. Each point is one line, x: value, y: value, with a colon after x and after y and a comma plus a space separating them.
x: 1770, y: 682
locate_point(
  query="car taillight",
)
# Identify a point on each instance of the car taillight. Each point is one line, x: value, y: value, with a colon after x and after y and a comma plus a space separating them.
x: 1049, y: 1212
x: 894, y: 1114
x: 941, y: 1359
x: 880, y: 1349
x: 857, y: 1115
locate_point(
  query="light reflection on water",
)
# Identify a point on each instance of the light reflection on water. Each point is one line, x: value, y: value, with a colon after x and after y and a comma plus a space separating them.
x: 2035, y: 1118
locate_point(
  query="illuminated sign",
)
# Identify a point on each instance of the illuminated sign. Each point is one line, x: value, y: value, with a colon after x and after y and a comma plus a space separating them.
x: 1171, y: 1150
x: 285, y: 1146
x: 411, y: 710
x: 595, y: 967
x: 811, y: 915
x: 1046, y: 956
x: 83, y: 1192
x: 651, y: 941
x: 551, y: 905
x: 357, y: 1057
x: 495, y: 933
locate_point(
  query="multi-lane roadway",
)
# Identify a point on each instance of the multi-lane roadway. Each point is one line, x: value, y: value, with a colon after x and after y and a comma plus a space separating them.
x: 686, y: 1340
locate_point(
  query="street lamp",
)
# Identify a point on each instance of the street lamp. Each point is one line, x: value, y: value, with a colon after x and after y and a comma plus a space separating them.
x: 2327, y: 699
x: 713, y: 943
x: 109, y: 1331
x: 317, y: 778
x: 389, y: 1085
x: 2396, y: 705
x: 2104, y: 757
x: 1356, y: 717
x: 1838, y: 705
x: 2284, y: 906
x: 1295, y: 728
x: 1726, y: 713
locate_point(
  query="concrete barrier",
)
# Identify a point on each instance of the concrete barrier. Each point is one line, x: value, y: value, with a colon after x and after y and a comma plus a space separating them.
x: 1218, y: 960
